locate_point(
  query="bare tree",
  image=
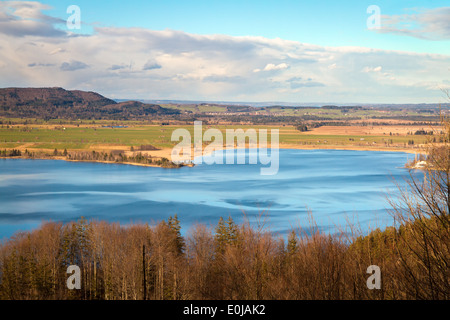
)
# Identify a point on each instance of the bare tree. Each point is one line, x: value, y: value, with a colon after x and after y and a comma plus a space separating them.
x: 422, y: 215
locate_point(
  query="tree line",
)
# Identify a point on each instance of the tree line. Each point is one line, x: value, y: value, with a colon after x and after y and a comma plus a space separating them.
x: 115, y: 156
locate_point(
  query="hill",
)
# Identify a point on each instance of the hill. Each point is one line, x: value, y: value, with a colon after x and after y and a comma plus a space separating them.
x: 51, y: 103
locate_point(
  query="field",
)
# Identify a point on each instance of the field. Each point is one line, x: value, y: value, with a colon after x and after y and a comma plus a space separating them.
x: 131, y: 135
x: 331, y: 113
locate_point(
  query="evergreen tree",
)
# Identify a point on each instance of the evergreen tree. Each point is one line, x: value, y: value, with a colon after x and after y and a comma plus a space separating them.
x: 221, y: 236
x: 174, y: 225
x: 232, y: 231
x: 226, y: 233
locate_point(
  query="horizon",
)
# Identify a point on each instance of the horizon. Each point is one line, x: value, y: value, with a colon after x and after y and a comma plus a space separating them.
x: 291, y: 52
x: 249, y: 103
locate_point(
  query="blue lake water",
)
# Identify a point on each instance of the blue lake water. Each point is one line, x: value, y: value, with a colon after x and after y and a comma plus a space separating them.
x: 334, y: 185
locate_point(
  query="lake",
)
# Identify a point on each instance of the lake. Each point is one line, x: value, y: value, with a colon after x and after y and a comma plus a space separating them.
x: 334, y: 185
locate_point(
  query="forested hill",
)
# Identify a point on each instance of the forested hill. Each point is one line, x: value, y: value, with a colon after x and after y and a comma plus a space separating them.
x: 51, y: 103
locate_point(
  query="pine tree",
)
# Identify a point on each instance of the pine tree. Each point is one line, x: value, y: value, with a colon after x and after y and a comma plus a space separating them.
x: 174, y: 225
x: 221, y: 236
x: 226, y: 234
x: 232, y: 231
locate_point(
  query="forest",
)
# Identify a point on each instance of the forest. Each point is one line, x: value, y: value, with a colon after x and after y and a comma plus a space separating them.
x: 230, y: 262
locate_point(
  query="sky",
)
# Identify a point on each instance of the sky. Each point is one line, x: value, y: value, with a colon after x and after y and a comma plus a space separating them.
x: 352, y: 51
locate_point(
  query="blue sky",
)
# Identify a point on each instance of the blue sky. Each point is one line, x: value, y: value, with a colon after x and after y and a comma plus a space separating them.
x: 294, y: 51
x: 327, y: 23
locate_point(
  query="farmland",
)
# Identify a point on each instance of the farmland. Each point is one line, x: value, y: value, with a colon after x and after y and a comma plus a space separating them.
x: 47, y: 137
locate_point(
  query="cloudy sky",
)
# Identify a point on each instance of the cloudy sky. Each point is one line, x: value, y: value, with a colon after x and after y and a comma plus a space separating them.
x: 292, y: 51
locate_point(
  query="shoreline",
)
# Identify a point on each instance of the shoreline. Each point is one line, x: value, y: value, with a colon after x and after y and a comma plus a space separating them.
x: 281, y: 146
x: 353, y: 148
x: 98, y: 161
x: 348, y: 148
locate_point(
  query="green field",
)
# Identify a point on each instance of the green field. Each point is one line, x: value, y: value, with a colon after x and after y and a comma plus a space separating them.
x: 50, y: 137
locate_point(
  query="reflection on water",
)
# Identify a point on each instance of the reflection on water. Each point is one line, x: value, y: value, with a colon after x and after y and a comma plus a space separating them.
x: 333, y: 184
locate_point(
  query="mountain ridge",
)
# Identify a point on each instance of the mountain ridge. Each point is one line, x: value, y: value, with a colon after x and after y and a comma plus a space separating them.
x: 57, y: 102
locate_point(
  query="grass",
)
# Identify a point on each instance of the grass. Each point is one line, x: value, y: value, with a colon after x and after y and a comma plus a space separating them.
x: 96, y: 137
x: 9, y: 145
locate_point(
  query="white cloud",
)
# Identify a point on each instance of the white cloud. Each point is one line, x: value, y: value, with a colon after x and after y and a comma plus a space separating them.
x: 430, y: 24
x: 271, y: 66
x: 25, y: 18
x: 332, y: 66
x: 115, y: 62
x: 372, y: 69
x: 57, y: 50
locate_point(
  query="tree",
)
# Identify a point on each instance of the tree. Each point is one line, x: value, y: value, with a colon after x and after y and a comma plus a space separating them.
x: 232, y: 231
x: 174, y: 225
x: 423, y: 237
x: 292, y: 244
x: 226, y: 233
x: 302, y: 127
x: 221, y: 236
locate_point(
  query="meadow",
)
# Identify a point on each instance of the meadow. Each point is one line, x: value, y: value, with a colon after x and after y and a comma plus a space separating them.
x: 95, y: 136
